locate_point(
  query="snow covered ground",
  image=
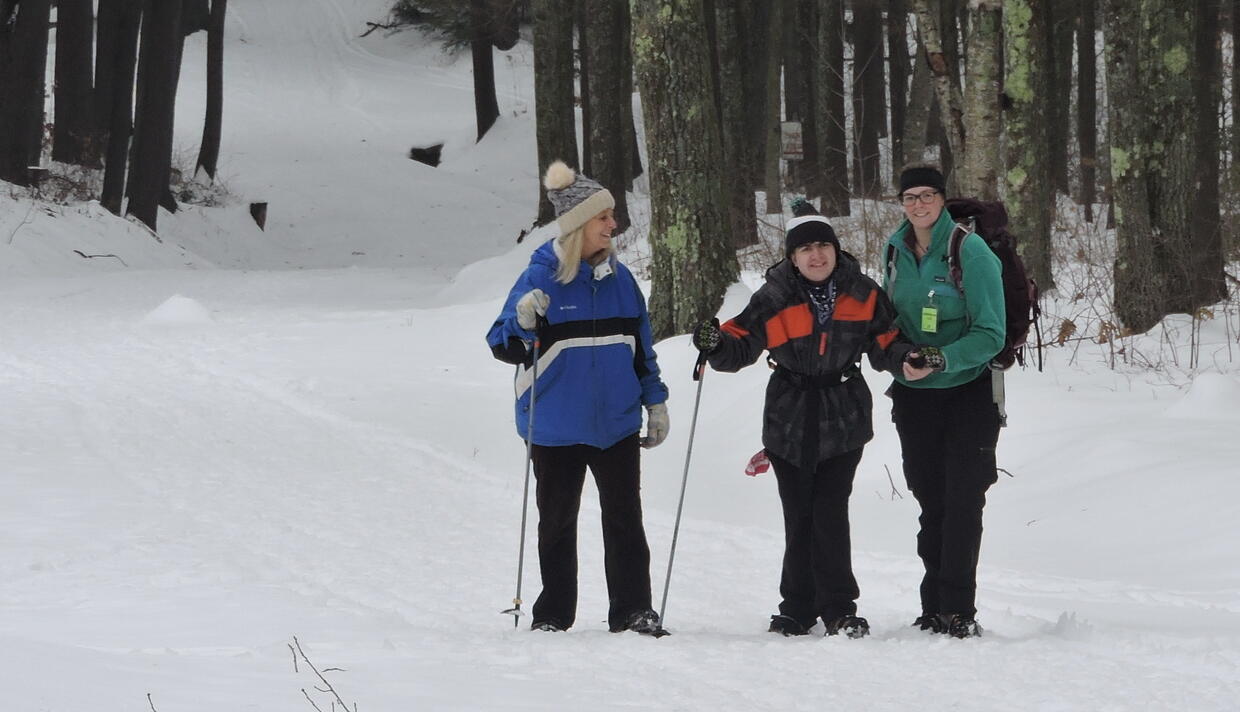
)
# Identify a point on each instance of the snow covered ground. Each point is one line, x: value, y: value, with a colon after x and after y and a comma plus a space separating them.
x: 214, y: 443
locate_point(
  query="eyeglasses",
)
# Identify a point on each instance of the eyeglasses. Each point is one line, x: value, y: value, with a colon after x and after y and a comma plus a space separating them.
x: 926, y: 198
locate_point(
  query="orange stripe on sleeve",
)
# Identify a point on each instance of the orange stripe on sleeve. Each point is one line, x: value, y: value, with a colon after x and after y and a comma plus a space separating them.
x: 884, y: 340
x: 731, y: 327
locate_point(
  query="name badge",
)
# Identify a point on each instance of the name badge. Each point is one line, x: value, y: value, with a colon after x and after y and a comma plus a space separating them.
x: 930, y: 315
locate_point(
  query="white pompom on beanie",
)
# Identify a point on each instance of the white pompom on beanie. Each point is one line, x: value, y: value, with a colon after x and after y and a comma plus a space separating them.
x: 576, y: 198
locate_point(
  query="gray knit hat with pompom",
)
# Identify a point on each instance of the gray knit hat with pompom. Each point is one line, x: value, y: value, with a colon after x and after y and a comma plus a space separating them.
x: 575, y: 197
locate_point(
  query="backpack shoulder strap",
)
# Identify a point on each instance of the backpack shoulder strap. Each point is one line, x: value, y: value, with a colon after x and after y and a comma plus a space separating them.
x: 891, y: 264
x: 959, y: 233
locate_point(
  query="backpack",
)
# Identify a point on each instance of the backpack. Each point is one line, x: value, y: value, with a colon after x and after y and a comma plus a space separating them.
x: 1020, y: 293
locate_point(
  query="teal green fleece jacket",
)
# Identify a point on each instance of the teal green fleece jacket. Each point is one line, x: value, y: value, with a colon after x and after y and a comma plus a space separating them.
x: 972, y: 325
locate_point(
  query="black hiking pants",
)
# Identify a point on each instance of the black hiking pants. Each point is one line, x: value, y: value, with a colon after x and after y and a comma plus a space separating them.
x: 817, y: 579
x: 561, y: 473
x: 948, y: 438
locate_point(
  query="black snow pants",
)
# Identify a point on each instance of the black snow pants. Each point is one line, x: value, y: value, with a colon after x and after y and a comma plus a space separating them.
x: 817, y: 579
x: 561, y: 472
x: 948, y: 438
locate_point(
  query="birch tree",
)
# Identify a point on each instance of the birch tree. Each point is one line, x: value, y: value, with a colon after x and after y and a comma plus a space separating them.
x: 980, y: 163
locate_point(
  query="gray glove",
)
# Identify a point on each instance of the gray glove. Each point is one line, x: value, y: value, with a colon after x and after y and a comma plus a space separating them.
x: 657, y: 425
x: 530, y: 306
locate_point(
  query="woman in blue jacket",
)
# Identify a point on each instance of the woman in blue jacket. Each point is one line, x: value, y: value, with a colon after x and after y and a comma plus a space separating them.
x: 596, y: 369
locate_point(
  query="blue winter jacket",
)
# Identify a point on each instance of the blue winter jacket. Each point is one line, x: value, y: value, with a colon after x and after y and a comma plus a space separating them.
x: 596, y: 365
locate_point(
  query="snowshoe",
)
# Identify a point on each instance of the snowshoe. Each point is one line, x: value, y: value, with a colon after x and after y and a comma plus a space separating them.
x: 787, y: 626
x: 929, y: 622
x: 645, y: 622
x: 851, y: 626
x: 959, y: 626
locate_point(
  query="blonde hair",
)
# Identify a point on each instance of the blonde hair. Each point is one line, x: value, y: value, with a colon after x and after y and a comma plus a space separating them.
x: 568, y: 250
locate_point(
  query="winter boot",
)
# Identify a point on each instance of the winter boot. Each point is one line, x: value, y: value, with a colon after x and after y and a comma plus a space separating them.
x: 958, y: 625
x: 851, y: 626
x: 547, y: 626
x: 929, y: 622
x: 786, y: 626
x: 645, y: 622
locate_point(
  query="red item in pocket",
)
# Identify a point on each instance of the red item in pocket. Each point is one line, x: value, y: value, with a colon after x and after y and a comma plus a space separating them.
x: 758, y: 464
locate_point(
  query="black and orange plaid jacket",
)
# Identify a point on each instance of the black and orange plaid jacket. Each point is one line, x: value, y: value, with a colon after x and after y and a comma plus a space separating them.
x: 817, y: 403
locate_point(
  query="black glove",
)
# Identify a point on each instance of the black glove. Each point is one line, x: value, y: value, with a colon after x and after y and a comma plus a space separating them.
x: 930, y: 356
x: 706, y: 336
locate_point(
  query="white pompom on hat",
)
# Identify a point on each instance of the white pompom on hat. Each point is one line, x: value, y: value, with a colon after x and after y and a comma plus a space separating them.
x: 576, y: 198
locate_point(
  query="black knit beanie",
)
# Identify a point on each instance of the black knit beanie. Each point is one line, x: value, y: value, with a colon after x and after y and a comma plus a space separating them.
x: 917, y: 176
x: 807, y: 226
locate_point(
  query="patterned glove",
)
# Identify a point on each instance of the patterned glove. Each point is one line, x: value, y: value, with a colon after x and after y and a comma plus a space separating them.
x: 530, y: 306
x: 927, y: 356
x: 706, y: 336
x: 657, y: 425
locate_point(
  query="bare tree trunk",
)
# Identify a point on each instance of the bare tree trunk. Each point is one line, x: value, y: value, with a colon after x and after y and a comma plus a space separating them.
x: 555, y: 119
x: 1152, y: 155
x: 869, y: 100
x: 213, y: 122
x: 800, y: 49
x: 71, y: 138
x: 829, y: 98
x: 23, y: 61
x: 917, y: 122
x: 195, y: 16
x: 1235, y: 96
x: 633, y: 160
x: 693, y: 261
x: 1204, y: 253
x: 773, y: 62
x: 159, y: 71
x: 486, y: 103
x: 1060, y: 26
x: 951, y: 102
x: 755, y: 34
x: 1029, y: 189
x: 1087, y: 105
x: 122, y: 60
x: 583, y: 89
x: 950, y: 14
x: 737, y: 153
x: 898, y: 73
x: 980, y: 167
x: 606, y: 101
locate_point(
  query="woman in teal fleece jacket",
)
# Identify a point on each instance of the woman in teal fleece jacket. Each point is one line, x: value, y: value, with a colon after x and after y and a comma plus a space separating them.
x: 943, y: 404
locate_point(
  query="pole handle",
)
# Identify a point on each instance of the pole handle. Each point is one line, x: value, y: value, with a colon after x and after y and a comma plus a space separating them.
x: 699, y: 367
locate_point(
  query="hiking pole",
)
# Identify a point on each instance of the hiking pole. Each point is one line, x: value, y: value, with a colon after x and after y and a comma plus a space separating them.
x: 515, y: 611
x: 699, y: 369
